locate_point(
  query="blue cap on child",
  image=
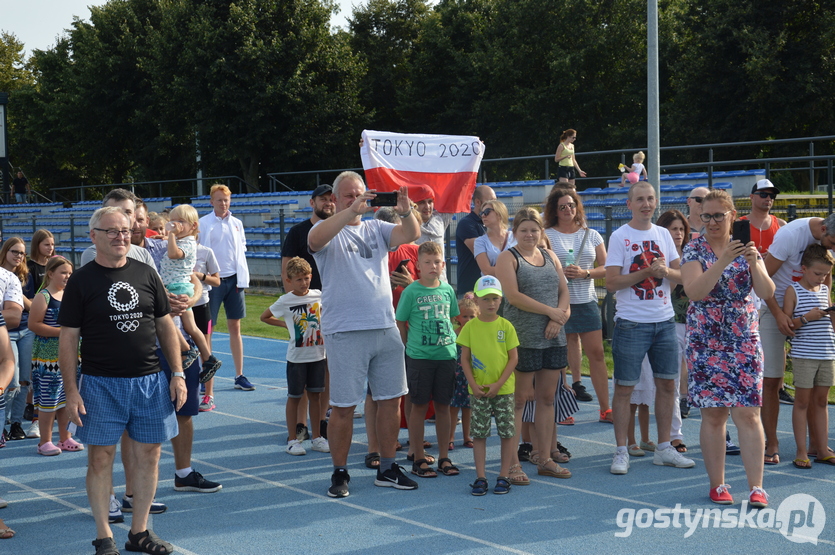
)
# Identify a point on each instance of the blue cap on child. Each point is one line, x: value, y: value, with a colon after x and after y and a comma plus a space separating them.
x: 487, y: 285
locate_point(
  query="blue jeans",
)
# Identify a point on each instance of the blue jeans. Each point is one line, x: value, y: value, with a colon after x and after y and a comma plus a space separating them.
x: 22, y: 341
x: 632, y: 341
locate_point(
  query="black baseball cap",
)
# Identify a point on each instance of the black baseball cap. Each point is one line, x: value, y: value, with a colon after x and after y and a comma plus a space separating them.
x: 322, y: 190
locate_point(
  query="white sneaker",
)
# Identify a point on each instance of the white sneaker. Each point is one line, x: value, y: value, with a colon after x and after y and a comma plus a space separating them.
x: 671, y: 457
x: 620, y: 463
x: 294, y: 447
x: 34, y: 430
x: 321, y: 444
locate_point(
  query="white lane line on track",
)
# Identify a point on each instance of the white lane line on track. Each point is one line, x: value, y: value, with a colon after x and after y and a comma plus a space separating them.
x: 250, y: 356
x: 83, y: 510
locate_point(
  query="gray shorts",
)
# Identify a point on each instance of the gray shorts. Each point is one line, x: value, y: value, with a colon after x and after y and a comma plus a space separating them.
x: 774, y: 346
x: 374, y: 355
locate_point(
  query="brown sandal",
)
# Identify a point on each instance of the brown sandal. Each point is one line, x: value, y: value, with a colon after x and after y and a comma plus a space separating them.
x: 558, y: 472
x: 517, y: 476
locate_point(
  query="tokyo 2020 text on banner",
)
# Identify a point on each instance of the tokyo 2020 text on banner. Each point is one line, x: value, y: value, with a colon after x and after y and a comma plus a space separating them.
x: 448, y: 164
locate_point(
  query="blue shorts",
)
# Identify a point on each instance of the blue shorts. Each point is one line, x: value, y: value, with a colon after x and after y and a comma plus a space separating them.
x: 232, y: 298
x: 192, y: 405
x: 141, y: 406
x: 585, y: 317
x: 632, y: 341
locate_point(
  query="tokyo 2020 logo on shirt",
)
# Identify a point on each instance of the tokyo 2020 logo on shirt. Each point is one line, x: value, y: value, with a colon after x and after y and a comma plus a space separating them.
x: 123, y: 297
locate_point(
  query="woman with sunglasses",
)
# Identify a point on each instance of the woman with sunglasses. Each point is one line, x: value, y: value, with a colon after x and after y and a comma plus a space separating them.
x: 497, y: 239
x: 724, y: 354
x: 15, y: 282
x: 566, y: 229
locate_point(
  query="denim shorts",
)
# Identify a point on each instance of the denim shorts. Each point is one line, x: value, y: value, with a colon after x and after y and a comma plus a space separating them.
x: 303, y: 376
x: 585, y: 317
x: 231, y: 296
x: 632, y: 341
x: 141, y: 406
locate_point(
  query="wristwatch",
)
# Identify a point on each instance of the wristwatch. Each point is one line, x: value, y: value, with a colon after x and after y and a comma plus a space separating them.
x: 179, y: 374
x: 803, y: 320
x: 588, y: 274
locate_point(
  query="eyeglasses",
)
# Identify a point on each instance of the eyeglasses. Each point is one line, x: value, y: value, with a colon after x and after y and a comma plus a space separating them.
x: 718, y: 217
x: 486, y: 212
x: 568, y: 206
x: 113, y: 233
x: 18, y: 253
x: 698, y: 199
x: 763, y: 194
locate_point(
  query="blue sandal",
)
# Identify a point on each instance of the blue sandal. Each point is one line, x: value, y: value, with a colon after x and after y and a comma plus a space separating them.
x: 502, y: 486
x: 480, y: 486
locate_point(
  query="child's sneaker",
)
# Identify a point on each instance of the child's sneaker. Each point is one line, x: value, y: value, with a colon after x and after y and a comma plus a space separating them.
x: 502, y: 486
x: 758, y: 498
x: 243, y: 384
x: 321, y: 444
x: 207, y: 403
x: 620, y: 462
x: 721, y: 496
x: 671, y: 457
x: 524, y: 452
x: 294, y: 447
x: 211, y: 366
x: 115, y: 513
x: 190, y: 356
x: 480, y: 486
x: 302, y: 433
x: 394, y: 478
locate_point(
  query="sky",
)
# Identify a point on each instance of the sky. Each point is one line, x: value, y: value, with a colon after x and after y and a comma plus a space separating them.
x: 37, y: 23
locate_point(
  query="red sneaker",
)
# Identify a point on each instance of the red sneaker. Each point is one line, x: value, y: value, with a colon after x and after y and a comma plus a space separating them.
x: 721, y: 496
x: 758, y: 498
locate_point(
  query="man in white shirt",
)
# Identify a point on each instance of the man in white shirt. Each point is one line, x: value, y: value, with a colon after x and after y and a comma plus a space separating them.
x: 642, y: 262
x: 224, y: 234
x: 694, y: 209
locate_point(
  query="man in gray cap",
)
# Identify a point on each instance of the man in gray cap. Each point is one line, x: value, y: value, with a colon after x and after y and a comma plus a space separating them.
x: 295, y: 243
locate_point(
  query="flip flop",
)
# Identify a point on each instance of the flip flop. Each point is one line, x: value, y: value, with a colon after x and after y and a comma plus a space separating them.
x: 773, y: 459
x: 830, y: 460
x: 804, y: 464
x: 468, y: 444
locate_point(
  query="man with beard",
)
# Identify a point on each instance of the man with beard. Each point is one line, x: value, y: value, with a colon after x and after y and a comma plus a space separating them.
x: 295, y: 243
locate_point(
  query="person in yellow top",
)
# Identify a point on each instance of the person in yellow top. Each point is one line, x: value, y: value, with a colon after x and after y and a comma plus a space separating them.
x: 565, y: 158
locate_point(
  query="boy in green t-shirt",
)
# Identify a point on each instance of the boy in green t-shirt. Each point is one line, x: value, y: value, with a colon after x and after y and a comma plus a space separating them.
x: 424, y: 319
x: 488, y: 357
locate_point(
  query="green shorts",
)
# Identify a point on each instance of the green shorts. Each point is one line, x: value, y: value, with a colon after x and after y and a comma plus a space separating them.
x: 503, y: 406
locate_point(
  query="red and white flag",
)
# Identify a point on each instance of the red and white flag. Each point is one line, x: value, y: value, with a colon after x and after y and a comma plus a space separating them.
x: 448, y: 164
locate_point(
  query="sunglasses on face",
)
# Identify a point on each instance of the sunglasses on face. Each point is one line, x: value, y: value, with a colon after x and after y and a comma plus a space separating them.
x: 567, y: 206
x: 763, y: 194
x: 718, y: 217
x: 486, y: 212
x: 698, y: 199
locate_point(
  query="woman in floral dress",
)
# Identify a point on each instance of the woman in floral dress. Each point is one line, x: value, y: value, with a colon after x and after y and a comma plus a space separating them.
x: 724, y: 354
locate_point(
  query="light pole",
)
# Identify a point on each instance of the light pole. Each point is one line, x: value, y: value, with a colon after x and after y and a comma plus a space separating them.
x: 653, y: 132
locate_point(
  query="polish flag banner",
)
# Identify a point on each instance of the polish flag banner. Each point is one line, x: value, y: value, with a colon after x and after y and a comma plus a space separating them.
x: 448, y: 164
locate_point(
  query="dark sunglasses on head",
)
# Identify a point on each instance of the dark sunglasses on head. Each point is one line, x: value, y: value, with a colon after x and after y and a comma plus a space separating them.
x: 763, y: 194
x: 486, y: 212
x: 698, y: 199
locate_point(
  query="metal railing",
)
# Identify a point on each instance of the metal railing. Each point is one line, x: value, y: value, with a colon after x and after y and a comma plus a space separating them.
x: 146, y: 187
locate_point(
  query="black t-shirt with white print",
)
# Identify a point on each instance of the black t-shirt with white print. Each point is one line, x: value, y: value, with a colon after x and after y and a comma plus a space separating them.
x: 115, y: 308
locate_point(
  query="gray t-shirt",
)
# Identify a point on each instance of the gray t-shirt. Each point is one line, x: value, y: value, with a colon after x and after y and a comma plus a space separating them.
x: 136, y: 253
x: 356, y: 291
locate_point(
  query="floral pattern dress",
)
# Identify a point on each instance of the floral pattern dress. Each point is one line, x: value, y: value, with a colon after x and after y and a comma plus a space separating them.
x: 724, y: 353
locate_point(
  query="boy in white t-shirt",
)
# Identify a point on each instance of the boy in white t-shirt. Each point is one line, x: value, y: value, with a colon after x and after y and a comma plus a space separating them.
x: 642, y: 261
x: 305, y: 351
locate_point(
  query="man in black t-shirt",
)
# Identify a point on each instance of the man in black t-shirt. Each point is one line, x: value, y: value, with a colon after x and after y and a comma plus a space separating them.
x: 295, y: 243
x: 20, y: 186
x: 120, y: 307
x: 468, y: 230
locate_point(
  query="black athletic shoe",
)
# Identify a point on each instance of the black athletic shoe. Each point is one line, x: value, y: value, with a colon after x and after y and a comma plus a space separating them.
x: 302, y: 433
x: 785, y: 397
x: 195, y: 482
x: 394, y: 478
x: 580, y: 392
x: 29, y: 412
x: 210, y: 367
x: 339, y: 484
x: 16, y: 431
x: 323, y: 428
x: 524, y: 452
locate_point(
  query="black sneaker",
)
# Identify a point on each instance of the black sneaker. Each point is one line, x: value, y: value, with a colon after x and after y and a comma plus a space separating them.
x: 394, y: 478
x: 561, y: 448
x: 302, y: 433
x: 323, y: 428
x: 580, y: 392
x: 785, y: 397
x: 29, y: 412
x: 339, y: 484
x: 684, y: 407
x: 524, y: 452
x: 210, y: 367
x: 16, y: 431
x: 195, y: 482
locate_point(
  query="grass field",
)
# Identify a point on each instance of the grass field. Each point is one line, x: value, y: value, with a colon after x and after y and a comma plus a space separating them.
x: 257, y: 304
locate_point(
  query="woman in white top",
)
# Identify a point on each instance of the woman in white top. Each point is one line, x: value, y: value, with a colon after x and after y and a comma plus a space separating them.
x: 497, y: 239
x: 566, y: 228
